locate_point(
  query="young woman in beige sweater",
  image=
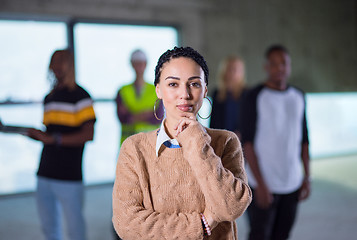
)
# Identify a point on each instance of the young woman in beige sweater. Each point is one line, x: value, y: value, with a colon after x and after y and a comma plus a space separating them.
x: 182, y: 181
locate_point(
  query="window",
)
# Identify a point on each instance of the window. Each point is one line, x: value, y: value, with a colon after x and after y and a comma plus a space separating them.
x: 332, y: 123
x: 26, y: 48
x: 102, y: 53
x: 103, y: 66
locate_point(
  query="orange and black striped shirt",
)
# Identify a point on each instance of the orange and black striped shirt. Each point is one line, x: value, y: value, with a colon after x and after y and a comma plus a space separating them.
x: 65, y: 111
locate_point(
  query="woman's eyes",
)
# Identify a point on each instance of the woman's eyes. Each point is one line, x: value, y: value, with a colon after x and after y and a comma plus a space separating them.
x: 191, y: 84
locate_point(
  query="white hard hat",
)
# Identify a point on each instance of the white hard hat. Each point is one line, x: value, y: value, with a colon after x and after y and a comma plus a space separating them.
x: 138, y: 56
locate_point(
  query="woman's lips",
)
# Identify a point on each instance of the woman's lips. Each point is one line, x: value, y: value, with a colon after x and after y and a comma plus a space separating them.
x: 185, y: 107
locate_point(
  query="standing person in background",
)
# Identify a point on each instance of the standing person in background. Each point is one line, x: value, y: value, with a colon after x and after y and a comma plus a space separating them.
x: 276, y: 148
x: 69, y: 119
x: 135, y: 101
x: 228, y: 98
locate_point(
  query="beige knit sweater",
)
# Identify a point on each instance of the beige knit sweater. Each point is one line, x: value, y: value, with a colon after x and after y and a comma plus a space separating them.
x: 162, y: 197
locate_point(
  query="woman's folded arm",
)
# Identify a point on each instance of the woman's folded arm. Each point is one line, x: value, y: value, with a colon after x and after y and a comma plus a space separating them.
x: 222, y: 179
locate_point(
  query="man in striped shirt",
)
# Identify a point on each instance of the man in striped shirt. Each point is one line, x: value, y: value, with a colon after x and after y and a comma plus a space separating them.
x: 69, y: 119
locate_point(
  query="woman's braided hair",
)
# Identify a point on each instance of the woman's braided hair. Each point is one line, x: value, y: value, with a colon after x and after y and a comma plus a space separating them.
x: 177, y: 52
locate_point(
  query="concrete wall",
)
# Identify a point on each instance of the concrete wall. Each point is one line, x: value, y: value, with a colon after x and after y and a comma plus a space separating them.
x: 320, y: 34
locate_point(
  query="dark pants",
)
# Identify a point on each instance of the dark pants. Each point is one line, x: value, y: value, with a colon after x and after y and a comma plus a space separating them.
x: 275, y: 222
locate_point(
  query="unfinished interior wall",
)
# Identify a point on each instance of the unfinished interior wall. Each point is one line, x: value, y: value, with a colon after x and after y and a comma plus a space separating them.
x: 320, y: 34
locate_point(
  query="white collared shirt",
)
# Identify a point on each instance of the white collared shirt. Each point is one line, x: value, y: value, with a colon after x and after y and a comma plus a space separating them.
x: 164, y: 139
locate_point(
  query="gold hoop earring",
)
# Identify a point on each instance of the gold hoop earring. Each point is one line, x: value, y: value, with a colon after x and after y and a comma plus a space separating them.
x: 155, y: 110
x: 210, y: 112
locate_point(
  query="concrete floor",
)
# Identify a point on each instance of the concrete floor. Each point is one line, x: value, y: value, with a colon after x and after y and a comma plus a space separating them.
x: 329, y: 214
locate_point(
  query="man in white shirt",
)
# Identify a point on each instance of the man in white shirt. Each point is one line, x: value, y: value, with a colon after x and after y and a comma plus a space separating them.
x: 276, y: 148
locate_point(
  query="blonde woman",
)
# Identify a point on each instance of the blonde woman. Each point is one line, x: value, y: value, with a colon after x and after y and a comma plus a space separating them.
x: 228, y: 98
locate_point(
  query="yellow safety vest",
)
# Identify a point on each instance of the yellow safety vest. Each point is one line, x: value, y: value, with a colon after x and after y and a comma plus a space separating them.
x: 145, y: 102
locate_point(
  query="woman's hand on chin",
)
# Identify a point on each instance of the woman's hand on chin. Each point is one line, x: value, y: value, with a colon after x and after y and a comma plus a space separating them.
x: 185, y: 122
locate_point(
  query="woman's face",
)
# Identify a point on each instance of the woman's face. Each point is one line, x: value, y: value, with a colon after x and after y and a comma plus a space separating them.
x: 234, y: 72
x: 139, y: 67
x: 181, y: 87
